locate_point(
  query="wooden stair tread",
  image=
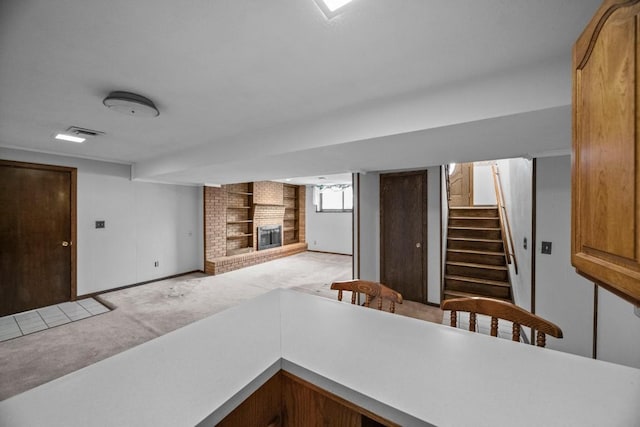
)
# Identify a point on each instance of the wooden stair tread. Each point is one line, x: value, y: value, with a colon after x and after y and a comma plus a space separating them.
x: 485, y: 266
x: 474, y: 217
x: 473, y: 239
x: 471, y: 251
x: 458, y: 294
x: 475, y: 207
x: 473, y: 228
x: 477, y: 280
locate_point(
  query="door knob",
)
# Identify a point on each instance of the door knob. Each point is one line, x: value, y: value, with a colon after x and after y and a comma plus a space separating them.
x: 418, y: 245
x: 65, y: 243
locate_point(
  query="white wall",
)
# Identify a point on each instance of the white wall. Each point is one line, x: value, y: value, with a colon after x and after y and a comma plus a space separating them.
x: 144, y: 223
x: 327, y: 231
x: 370, y: 226
x: 484, y: 192
x: 516, y: 176
x: 562, y: 296
x: 618, y: 330
x: 434, y: 267
x: 444, y: 211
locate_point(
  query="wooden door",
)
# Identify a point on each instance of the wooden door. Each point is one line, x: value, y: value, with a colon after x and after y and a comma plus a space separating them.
x: 461, y: 185
x: 37, y: 231
x: 403, y: 233
x: 606, y: 161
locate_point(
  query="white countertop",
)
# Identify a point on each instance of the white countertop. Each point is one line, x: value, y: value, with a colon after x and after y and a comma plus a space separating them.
x: 434, y: 373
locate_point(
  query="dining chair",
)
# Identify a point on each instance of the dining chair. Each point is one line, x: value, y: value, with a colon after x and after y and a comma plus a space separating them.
x: 371, y: 290
x: 499, y: 309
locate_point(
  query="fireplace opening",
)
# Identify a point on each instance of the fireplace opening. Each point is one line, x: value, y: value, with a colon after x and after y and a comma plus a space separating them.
x: 269, y: 236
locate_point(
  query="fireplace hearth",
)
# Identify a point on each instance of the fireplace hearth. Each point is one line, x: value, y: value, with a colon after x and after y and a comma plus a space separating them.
x: 269, y: 236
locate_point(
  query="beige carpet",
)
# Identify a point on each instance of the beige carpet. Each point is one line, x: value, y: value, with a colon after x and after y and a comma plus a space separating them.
x: 145, y: 312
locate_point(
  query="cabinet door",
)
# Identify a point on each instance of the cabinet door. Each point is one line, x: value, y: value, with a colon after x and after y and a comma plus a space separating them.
x: 606, y: 168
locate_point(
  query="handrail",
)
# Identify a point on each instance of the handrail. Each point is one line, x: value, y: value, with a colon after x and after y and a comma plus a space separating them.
x: 448, y: 182
x: 509, y: 249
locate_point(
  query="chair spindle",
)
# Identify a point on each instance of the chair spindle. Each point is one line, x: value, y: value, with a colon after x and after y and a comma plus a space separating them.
x: 515, y: 336
x: 494, y: 326
x: 472, y: 322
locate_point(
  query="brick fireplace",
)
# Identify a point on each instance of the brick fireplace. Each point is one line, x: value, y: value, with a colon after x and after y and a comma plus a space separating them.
x: 232, y: 215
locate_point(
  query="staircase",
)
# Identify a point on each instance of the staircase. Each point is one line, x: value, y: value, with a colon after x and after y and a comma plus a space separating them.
x: 476, y: 264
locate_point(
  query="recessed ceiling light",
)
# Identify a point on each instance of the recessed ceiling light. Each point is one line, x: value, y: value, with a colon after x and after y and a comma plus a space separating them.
x: 331, y: 7
x: 334, y: 5
x: 70, y: 138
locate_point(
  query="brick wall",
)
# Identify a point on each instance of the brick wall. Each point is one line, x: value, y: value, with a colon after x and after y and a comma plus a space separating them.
x: 215, y: 210
x: 268, y: 193
x: 302, y: 209
x: 235, y: 262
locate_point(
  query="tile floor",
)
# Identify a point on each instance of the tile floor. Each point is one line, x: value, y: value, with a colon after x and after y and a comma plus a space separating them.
x: 28, y: 322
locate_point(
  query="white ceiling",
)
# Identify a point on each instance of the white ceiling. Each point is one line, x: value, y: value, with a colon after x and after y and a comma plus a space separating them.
x: 272, y: 89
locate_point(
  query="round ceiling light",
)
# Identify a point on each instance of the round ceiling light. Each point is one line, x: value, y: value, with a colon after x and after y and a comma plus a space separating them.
x: 131, y: 104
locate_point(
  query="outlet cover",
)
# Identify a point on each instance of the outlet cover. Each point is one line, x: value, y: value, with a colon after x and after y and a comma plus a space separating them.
x: 99, y: 224
x: 546, y: 248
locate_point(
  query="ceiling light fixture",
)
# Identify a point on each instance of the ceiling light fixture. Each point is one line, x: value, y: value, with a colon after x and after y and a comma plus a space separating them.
x: 70, y: 138
x: 331, y: 7
x: 131, y: 104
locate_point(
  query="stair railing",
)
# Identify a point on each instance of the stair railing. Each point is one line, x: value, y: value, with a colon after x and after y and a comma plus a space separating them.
x: 448, y: 182
x: 507, y: 238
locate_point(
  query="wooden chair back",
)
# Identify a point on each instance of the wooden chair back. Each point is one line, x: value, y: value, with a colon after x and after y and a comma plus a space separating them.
x: 498, y: 309
x: 371, y: 290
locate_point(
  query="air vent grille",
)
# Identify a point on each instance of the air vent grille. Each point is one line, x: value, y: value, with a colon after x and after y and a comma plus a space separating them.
x: 82, y: 132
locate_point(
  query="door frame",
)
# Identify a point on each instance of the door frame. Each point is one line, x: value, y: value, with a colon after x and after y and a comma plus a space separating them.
x: 73, y: 174
x: 425, y: 231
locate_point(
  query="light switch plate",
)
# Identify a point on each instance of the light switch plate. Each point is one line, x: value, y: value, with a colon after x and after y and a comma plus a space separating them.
x: 546, y: 248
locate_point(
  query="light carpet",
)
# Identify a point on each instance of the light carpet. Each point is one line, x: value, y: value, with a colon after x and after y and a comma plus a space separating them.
x: 145, y: 312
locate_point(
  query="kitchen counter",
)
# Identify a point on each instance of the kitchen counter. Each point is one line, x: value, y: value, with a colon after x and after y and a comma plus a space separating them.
x: 408, y: 371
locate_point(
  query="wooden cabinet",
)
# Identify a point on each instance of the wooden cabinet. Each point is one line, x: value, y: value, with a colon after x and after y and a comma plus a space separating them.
x: 239, y: 218
x: 606, y: 162
x: 289, y: 401
x: 262, y: 409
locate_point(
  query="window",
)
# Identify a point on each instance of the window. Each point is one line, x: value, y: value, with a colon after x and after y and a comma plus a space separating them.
x: 333, y: 198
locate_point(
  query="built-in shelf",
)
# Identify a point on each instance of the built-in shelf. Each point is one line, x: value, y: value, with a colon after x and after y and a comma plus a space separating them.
x: 239, y: 236
x: 292, y: 202
x: 239, y: 218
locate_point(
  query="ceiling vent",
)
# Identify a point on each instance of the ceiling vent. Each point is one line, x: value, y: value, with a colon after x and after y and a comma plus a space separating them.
x: 82, y: 132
